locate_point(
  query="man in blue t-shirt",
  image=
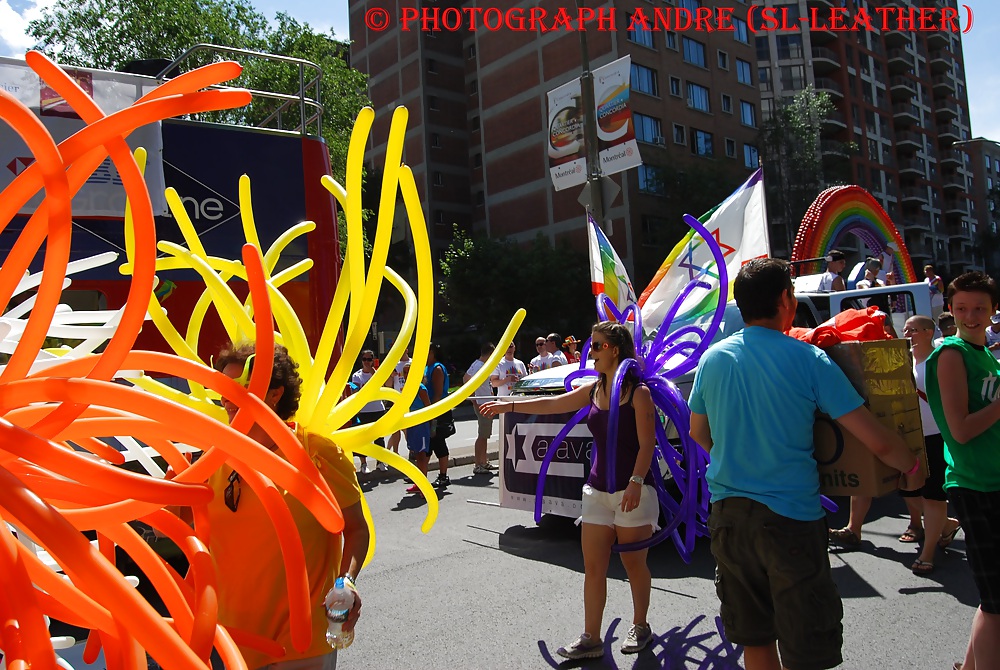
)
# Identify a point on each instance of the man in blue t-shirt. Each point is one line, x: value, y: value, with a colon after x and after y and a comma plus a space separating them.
x: 753, y: 407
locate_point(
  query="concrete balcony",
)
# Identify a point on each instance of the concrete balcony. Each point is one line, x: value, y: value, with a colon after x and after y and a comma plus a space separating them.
x: 953, y: 182
x: 834, y: 148
x: 906, y: 113
x: 947, y: 109
x: 912, y: 168
x: 902, y: 88
x: 830, y: 86
x: 948, y: 132
x: 900, y: 60
x: 825, y: 60
x: 955, y: 207
x: 937, y: 39
x: 941, y: 60
x: 917, y: 224
x: 835, y: 120
x: 952, y: 158
x: 944, y: 84
x: 909, y: 140
x: 913, y: 194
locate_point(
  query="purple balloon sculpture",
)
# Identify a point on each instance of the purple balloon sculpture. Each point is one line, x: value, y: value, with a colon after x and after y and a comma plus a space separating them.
x: 688, y: 463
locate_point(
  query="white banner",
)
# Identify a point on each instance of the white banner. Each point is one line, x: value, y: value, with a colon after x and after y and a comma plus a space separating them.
x: 615, y: 130
x: 103, y: 194
x: 567, y: 150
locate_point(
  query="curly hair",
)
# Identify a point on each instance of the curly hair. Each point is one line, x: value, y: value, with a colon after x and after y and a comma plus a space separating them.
x: 621, y: 337
x: 284, y: 374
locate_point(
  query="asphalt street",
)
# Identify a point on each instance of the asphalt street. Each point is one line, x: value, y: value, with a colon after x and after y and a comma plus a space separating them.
x: 488, y: 588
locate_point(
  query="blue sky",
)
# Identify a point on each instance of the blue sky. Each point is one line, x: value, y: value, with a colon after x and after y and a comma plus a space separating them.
x: 980, y: 50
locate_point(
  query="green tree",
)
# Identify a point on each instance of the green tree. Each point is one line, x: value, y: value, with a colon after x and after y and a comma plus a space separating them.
x: 485, y: 280
x: 107, y: 34
x: 790, y: 149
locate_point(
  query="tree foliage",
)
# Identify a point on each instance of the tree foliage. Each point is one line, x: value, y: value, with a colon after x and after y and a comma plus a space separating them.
x: 486, y: 280
x: 790, y: 148
x: 107, y: 34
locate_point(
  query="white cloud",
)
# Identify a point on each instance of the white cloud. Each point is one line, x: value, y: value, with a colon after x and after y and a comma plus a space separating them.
x: 14, y: 40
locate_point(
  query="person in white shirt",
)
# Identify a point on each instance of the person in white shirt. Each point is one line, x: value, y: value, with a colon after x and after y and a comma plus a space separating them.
x: 552, y: 345
x: 835, y: 264
x: 484, y: 393
x: 508, y: 372
x: 993, y: 335
x: 543, y: 361
x: 396, y: 379
x: 373, y: 410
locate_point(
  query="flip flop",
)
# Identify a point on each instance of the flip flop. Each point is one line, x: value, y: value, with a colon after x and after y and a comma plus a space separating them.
x: 947, y: 538
x: 911, y: 535
x: 845, y: 537
x: 922, y: 568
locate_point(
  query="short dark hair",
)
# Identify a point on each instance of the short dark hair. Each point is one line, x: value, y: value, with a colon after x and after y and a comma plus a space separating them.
x: 946, y: 317
x: 759, y: 287
x: 487, y: 348
x: 284, y: 374
x: 972, y: 282
x: 554, y: 337
x: 835, y: 255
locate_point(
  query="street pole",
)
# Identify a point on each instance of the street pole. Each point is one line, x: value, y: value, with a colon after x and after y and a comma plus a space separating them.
x: 590, y: 131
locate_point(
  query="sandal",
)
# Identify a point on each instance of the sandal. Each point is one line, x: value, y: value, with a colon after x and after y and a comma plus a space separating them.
x: 845, y: 537
x: 911, y: 535
x: 947, y: 538
x: 922, y: 568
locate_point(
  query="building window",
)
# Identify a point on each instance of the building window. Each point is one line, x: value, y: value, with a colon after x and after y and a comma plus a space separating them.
x: 654, y: 231
x: 727, y: 103
x: 793, y: 77
x: 748, y: 114
x: 680, y: 134
x: 639, y: 34
x: 651, y: 180
x: 697, y: 97
x: 764, y: 78
x: 438, y: 179
x: 480, y: 199
x: 740, y: 32
x: 730, y: 148
x: 701, y: 143
x: 675, y: 86
x: 694, y: 51
x: 432, y: 66
x: 744, y: 74
x: 671, y: 39
x: 647, y: 129
x: 751, y: 158
x: 435, y: 141
x: 763, y: 49
x: 690, y: 5
x: 474, y: 86
x: 723, y: 60
x: 644, y: 80
x: 432, y: 103
x: 477, y: 161
x: 789, y: 46
x: 475, y: 122
x: 472, y: 51
x: 996, y: 164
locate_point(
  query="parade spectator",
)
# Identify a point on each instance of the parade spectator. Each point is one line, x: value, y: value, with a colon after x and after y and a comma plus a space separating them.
x: 418, y: 437
x: 374, y: 409
x: 753, y: 404
x: 936, y: 286
x: 630, y: 511
x: 251, y: 591
x: 993, y: 335
x: 396, y: 379
x: 962, y: 390
x: 872, y: 268
x: 485, y: 432
x: 831, y: 279
x: 928, y: 507
x: 436, y: 379
x: 543, y: 361
x: 553, y: 344
x: 569, y: 346
x: 508, y: 372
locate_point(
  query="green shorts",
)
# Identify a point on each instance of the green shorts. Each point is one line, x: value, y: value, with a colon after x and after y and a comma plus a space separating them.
x: 774, y: 581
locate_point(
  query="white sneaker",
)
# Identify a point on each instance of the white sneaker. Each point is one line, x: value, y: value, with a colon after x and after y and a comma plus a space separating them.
x: 364, y: 468
x: 382, y: 466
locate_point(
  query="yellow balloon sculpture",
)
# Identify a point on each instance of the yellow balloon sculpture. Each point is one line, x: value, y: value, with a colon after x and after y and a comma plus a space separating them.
x: 322, y: 408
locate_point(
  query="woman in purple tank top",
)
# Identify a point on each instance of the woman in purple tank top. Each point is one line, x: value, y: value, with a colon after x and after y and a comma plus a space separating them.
x: 622, y: 507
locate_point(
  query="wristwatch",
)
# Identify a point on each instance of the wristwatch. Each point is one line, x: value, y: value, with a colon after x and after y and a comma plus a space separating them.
x: 636, y: 479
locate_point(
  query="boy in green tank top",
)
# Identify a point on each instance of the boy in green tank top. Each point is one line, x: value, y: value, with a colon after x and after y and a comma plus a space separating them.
x: 963, y: 384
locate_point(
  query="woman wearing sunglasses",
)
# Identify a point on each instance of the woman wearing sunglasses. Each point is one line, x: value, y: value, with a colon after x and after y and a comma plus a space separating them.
x: 251, y: 573
x: 628, y: 509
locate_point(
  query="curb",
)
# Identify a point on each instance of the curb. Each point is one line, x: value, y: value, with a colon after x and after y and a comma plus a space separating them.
x: 454, y: 461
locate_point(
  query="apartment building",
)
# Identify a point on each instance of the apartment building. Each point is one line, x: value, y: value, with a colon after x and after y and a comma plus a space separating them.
x: 478, y: 121
x: 900, y: 104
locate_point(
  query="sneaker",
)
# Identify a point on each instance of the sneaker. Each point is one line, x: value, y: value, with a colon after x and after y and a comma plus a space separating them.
x: 491, y: 466
x: 382, y: 467
x: 442, y: 481
x: 481, y: 470
x: 413, y: 489
x: 582, y: 647
x: 364, y: 468
x: 638, y: 638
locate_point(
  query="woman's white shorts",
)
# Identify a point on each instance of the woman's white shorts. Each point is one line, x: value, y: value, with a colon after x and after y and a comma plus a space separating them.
x: 605, y: 509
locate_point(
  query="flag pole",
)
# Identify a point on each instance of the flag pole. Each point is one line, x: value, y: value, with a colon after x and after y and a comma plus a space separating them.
x: 590, y: 129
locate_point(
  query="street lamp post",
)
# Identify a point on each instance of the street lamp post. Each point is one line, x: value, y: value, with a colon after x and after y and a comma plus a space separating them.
x: 590, y: 130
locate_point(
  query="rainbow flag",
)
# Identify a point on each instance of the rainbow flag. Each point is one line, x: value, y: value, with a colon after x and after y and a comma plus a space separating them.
x: 739, y: 225
x: 607, y: 272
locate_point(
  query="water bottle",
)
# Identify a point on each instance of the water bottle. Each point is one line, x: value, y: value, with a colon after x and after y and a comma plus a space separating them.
x: 338, y: 603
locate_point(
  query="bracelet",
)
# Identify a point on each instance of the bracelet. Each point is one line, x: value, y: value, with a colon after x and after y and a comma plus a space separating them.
x: 912, y: 471
x: 636, y: 479
x: 349, y: 580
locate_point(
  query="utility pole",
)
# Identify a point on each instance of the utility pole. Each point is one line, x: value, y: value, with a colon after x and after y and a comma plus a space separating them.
x: 590, y: 131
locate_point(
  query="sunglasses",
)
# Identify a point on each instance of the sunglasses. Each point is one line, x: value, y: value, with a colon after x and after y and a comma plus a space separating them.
x: 368, y: 359
x: 233, y: 492
x: 539, y: 344
x: 599, y: 345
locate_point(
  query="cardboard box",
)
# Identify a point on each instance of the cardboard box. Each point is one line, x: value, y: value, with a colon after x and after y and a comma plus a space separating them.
x: 882, y: 373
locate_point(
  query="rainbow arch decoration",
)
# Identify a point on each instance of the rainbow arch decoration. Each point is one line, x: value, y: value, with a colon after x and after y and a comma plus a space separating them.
x: 843, y: 210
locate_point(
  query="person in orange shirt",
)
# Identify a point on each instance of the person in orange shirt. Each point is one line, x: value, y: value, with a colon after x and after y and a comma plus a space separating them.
x: 250, y: 569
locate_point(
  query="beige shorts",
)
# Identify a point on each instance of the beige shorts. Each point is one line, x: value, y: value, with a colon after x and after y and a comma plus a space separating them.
x: 605, y: 509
